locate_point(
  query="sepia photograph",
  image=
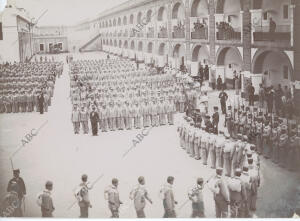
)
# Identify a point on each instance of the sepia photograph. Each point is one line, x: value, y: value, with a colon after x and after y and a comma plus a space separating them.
x: 150, y: 109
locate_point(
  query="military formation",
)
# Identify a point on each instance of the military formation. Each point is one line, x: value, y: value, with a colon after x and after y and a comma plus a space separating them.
x: 116, y: 96
x: 276, y: 138
x: 235, y: 160
x: 27, y: 87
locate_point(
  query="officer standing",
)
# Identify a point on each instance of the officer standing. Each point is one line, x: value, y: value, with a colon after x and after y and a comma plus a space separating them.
x: 215, y: 120
x: 94, y: 118
x: 195, y: 194
x: 139, y: 195
x: 84, y: 116
x: 223, y: 98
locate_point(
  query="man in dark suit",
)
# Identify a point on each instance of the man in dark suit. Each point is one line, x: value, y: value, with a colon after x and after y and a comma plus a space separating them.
x: 94, y: 117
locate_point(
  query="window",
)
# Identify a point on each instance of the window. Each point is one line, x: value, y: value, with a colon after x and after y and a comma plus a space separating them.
x: 1, y: 33
x: 285, y: 72
x: 41, y: 47
x: 59, y: 46
x: 265, y: 15
x: 285, y: 12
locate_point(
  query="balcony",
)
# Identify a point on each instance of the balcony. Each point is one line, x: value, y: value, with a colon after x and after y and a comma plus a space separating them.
x: 226, y: 32
x: 282, y: 35
x: 163, y: 32
x: 178, y: 33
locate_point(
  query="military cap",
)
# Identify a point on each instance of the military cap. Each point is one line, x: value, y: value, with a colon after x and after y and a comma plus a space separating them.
x: 16, y: 171
x: 84, y: 177
x: 216, y: 108
x: 200, y: 180
x: 219, y: 170
x: 49, y: 184
x: 238, y: 172
x: 221, y: 132
x: 245, y: 169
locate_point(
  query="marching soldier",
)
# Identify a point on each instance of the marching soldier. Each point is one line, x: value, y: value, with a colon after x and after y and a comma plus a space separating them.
x: 229, y: 121
x: 46, y: 102
x: 274, y: 142
x: 219, y: 149
x: 83, y: 197
x: 237, y: 194
x: 46, y: 204
x: 112, y: 196
x: 137, y: 116
x: 139, y: 195
x: 245, y: 204
x: 195, y: 194
x: 197, y: 143
x: 215, y: 121
x: 171, y: 109
x: 212, y: 149
x: 221, y: 194
x: 259, y: 132
x: 162, y: 112
x: 204, y: 147
x: 103, y: 115
x: 168, y: 198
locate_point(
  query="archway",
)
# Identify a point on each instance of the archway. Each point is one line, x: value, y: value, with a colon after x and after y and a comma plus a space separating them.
x: 229, y: 64
x: 199, y: 8
x: 149, y: 15
x: 126, y: 44
x: 111, y: 42
x: 200, y: 54
x: 275, y: 67
x: 161, y: 49
x: 150, y: 47
x: 119, y: 21
x: 125, y: 20
x: 115, y: 43
x: 179, y: 55
x: 140, y: 46
x: 139, y: 18
x: 162, y: 14
x: 114, y: 22
x: 131, y: 19
x: 178, y: 11
x: 120, y: 43
x: 132, y: 45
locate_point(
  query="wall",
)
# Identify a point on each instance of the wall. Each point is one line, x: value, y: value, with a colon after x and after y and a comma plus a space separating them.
x: 47, y: 40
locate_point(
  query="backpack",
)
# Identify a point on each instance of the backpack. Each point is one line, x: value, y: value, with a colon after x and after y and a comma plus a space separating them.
x: 39, y: 199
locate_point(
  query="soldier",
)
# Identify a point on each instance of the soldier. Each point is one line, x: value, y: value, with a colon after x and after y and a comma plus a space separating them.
x: 119, y: 116
x: 221, y: 194
x: 195, y: 194
x: 283, y: 146
x: 123, y: 116
x: 204, y: 147
x: 40, y: 102
x: 219, y: 149
x: 84, y: 116
x: 212, y: 149
x: 111, y: 116
x: 103, y: 115
x: 75, y: 118
x: 292, y: 149
x: 154, y: 114
x: 139, y: 195
x: 215, y: 121
x: 17, y: 184
x: 227, y: 155
x: 46, y: 204
x: 137, y: 116
x: 112, y: 196
x: 191, y: 134
x: 15, y: 102
x: 146, y: 114
x: 182, y: 101
x: 259, y: 130
x: 171, y: 109
x: 82, y: 195
x: 266, y: 140
x: 274, y: 142
x: 229, y: 121
x: 197, y: 143
x: 168, y: 198
x: 30, y: 101
x: 46, y: 102
x: 254, y: 181
x: 130, y: 116
x: 245, y: 205
x: 162, y: 112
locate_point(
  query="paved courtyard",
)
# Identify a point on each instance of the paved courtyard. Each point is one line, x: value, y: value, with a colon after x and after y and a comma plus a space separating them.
x: 56, y: 154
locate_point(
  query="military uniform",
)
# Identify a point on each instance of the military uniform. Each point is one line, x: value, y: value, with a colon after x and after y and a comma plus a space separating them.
x: 75, y: 118
x: 84, y: 116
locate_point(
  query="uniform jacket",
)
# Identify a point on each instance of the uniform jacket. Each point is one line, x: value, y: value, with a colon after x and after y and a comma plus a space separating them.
x: 21, y: 186
x: 168, y: 201
x: 75, y: 116
x: 47, y: 203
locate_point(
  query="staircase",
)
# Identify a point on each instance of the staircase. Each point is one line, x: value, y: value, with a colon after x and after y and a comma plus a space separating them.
x: 90, y: 47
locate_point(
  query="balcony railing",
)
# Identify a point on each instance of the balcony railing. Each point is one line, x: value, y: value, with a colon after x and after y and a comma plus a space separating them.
x: 163, y: 33
x: 281, y: 34
x: 178, y: 33
x: 226, y: 32
x: 150, y: 35
x: 200, y: 33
